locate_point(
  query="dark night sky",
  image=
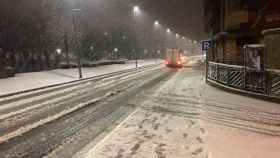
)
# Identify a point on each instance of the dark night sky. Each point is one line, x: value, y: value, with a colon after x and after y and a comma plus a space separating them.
x: 183, y: 16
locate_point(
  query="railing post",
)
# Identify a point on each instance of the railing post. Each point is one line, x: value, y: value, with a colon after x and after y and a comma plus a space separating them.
x: 218, y: 74
x: 228, y: 75
x: 268, y: 82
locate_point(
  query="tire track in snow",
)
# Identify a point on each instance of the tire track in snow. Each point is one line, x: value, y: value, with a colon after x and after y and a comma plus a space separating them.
x: 28, y: 128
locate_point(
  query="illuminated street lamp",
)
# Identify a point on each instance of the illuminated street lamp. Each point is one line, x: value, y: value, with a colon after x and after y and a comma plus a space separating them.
x: 168, y: 30
x: 183, y: 38
x: 58, y: 51
x: 156, y: 23
x: 177, y: 35
x: 123, y: 37
x: 136, y: 11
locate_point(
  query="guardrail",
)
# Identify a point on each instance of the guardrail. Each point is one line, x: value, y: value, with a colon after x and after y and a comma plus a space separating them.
x: 265, y: 83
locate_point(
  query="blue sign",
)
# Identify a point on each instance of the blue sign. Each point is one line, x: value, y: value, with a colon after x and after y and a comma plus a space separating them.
x: 206, y: 45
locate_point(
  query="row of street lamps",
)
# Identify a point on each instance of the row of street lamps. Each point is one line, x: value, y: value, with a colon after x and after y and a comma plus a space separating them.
x: 136, y: 12
x: 168, y: 30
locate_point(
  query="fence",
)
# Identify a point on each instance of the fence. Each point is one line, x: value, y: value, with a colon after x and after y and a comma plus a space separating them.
x: 266, y: 83
x: 274, y: 84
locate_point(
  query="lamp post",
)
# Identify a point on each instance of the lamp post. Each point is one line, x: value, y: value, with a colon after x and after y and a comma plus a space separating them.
x: 58, y: 51
x: 75, y: 11
x: 168, y: 32
x: 116, y: 50
x: 136, y: 11
x: 156, y: 23
x: 91, y: 55
x: 156, y: 28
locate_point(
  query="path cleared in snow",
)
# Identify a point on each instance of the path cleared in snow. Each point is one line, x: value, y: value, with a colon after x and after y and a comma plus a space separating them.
x: 26, y: 81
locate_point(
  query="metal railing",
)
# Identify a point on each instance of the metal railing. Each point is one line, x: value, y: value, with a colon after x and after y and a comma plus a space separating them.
x: 266, y: 82
x: 230, y: 75
x: 274, y: 83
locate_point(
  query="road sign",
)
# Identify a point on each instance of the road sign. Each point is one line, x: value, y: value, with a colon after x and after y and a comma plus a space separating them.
x: 206, y: 45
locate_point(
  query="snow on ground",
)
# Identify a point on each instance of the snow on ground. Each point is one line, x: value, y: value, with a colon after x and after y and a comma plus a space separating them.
x: 157, y: 129
x: 176, y: 121
x: 25, y: 81
x: 149, y: 134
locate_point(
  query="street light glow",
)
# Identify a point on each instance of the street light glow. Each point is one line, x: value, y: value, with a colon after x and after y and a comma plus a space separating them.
x: 177, y: 35
x: 168, y: 30
x: 136, y: 9
x: 76, y: 9
x: 156, y: 23
x: 183, y: 37
x: 58, y: 51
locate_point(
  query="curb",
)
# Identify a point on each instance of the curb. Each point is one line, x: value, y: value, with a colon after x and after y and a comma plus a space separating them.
x: 75, y: 81
x: 243, y: 92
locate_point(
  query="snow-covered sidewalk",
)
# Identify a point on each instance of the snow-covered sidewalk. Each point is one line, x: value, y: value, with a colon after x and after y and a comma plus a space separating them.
x: 147, y: 134
x: 26, y: 81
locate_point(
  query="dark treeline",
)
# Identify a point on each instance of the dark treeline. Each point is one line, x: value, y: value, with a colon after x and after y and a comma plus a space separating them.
x: 31, y: 32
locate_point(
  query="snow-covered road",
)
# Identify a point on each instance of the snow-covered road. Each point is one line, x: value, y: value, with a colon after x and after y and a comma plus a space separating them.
x: 26, y: 81
x: 36, y: 123
x: 184, y: 117
x: 156, y: 112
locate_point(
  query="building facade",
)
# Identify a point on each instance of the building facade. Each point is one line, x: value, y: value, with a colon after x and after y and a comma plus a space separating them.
x: 245, y: 50
x: 235, y: 23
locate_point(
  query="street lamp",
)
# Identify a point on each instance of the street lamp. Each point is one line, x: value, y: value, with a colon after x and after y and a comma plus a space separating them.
x: 115, y: 55
x: 156, y: 23
x: 157, y: 32
x: 136, y: 11
x: 123, y: 37
x: 75, y: 11
x: 177, y: 35
x: 58, y: 51
x: 168, y: 30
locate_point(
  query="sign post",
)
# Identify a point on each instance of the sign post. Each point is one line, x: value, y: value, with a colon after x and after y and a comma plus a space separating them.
x: 206, y: 46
